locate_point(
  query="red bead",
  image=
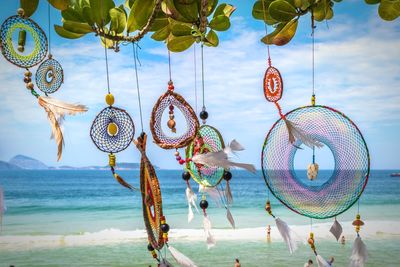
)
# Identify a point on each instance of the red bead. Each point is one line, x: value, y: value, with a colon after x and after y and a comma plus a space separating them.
x: 181, y: 161
x: 171, y: 87
x: 171, y: 107
x: 171, y: 112
x: 178, y: 158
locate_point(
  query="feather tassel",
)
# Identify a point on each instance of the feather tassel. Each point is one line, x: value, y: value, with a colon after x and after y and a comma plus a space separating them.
x: 56, y: 110
x: 336, y: 230
x: 213, y: 193
x: 220, y: 159
x: 228, y: 193
x: 299, y: 134
x: 207, y: 229
x: 191, y: 200
x: 165, y: 263
x: 359, y: 254
x: 181, y: 259
x: 287, y: 235
x: 230, y: 218
x: 122, y: 182
x: 321, y: 262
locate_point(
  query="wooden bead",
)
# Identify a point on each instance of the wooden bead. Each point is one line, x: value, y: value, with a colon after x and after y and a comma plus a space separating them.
x: 110, y: 99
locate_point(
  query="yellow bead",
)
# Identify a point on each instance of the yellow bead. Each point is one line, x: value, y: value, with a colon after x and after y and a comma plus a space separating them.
x: 112, y: 129
x: 109, y: 99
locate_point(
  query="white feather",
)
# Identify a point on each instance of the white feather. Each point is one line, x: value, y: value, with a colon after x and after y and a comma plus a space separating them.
x: 165, y: 263
x: 207, y: 229
x: 220, y: 159
x: 213, y: 193
x: 359, y: 254
x: 233, y: 147
x: 230, y: 217
x: 181, y: 259
x: 321, y: 262
x: 191, y: 200
x: 298, y: 133
x: 336, y: 230
x: 287, y: 235
x: 228, y: 194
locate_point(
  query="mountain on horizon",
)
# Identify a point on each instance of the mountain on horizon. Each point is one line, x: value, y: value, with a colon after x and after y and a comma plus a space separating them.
x: 22, y: 162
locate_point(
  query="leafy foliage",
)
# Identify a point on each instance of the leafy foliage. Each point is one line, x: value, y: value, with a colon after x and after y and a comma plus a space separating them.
x: 283, y: 15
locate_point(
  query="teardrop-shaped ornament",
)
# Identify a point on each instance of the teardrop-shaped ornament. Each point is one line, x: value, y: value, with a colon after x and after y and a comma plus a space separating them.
x: 172, y: 101
x: 273, y: 84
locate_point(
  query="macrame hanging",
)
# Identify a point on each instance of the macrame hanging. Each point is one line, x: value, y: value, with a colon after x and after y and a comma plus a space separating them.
x: 32, y: 47
x: 154, y: 220
x: 331, y: 196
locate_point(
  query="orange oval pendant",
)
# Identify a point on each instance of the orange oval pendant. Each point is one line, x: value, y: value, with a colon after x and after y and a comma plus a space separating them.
x: 273, y: 84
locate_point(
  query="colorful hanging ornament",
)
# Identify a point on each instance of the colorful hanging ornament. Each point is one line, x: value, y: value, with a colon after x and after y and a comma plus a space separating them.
x: 172, y: 101
x: 154, y: 220
x: 112, y: 131
x: 55, y: 109
x: 352, y: 165
x: 49, y: 75
x: 25, y: 56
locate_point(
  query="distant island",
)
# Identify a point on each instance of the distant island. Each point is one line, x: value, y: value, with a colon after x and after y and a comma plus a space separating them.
x: 21, y: 162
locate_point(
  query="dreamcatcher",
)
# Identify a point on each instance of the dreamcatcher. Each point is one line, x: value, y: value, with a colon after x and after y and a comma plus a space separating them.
x: 154, y: 220
x: 31, y: 49
x: 112, y: 130
x: 310, y: 198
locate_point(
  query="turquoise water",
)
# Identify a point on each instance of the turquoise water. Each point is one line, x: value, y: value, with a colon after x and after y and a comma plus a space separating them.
x: 50, y: 211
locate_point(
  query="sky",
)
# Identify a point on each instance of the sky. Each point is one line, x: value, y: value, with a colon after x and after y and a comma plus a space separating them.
x: 357, y: 71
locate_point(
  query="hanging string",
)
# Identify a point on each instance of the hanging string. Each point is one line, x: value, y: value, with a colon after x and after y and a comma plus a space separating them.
x: 195, y: 77
x: 311, y: 226
x: 135, y: 55
x: 266, y: 32
x: 105, y: 49
x: 202, y: 74
x: 49, y: 32
x: 313, y: 51
x: 169, y: 65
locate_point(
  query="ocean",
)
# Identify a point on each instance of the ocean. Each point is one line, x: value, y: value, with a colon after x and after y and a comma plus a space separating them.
x: 85, y: 218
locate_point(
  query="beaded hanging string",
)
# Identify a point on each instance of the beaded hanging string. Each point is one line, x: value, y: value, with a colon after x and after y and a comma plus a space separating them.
x: 112, y: 130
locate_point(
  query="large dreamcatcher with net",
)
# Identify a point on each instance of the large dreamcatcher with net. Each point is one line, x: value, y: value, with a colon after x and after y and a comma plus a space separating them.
x: 315, y: 195
x: 24, y: 44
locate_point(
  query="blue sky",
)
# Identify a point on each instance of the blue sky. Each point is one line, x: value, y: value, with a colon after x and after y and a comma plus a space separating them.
x: 357, y: 72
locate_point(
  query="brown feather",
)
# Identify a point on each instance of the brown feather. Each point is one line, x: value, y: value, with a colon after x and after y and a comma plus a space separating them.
x: 55, y: 122
x: 62, y: 108
x: 123, y: 183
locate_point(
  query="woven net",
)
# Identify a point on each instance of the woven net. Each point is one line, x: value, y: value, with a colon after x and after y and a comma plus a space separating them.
x: 208, y: 139
x: 351, y: 163
x: 151, y: 203
x: 125, y: 130
x: 49, y: 76
x: 273, y: 84
x: 39, y: 38
x: 192, y: 123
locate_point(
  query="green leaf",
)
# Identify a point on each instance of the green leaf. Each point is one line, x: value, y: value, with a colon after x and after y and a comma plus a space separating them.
x: 87, y: 15
x: 100, y: 11
x: 211, y: 39
x: 170, y: 10
x: 389, y: 9
x: 77, y: 27
x: 129, y: 3
x: 224, y: 9
x: 282, y: 34
x: 118, y: 20
x: 321, y: 10
x: 282, y: 11
x: 181, y: 29
x: 258, y: 12
x: 188, y: 11
x: 220, y: 23
x: 59, y: 4
x: 140, y: 14
x: 210, y: 6
x: 72, y: 15
x: 160, y: 22
x: 66, y: 34
x: 372, y: 2
x: 29, y: 6
x: 161, y: 34
x: 180, y: 43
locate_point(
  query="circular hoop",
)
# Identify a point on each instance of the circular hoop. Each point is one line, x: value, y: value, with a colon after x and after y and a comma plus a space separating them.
x: 160, y: 138
x: 273, y: 84
x: 151, y: 203
x: 351, y: 157
x: 49, y: 76
x: 99, y: 132
x: 208, y: 139
x: 39, y: 51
